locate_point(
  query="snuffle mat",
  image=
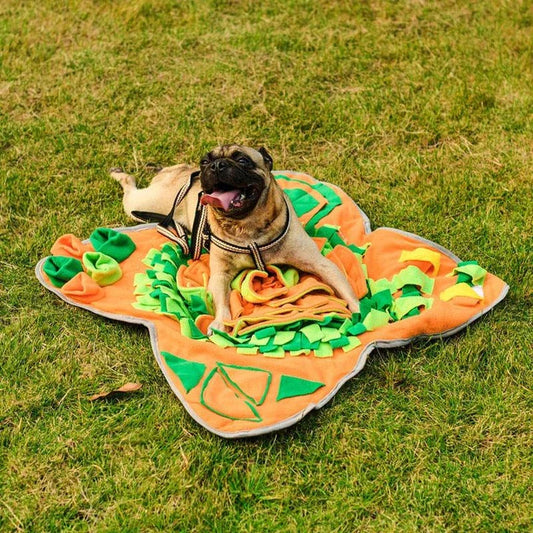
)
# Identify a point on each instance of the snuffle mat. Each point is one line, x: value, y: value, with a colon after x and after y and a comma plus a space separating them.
x: 291, y: 343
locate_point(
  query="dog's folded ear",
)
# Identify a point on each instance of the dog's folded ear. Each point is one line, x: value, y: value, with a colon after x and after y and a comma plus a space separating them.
x: 266, y: 158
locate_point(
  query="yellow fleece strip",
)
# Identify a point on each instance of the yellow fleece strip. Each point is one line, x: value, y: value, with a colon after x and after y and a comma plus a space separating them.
x: 460, y: 289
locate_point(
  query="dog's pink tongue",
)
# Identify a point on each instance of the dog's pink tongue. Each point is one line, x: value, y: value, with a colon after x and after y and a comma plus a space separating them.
x: 221, y: 199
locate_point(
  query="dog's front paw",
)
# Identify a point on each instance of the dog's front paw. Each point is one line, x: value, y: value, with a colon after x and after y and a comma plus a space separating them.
x: 216, y: 325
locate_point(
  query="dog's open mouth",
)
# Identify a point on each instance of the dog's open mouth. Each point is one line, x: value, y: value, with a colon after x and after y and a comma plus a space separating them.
x: 229, y: 199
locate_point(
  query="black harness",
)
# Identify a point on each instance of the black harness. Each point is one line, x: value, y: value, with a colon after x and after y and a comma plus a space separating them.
x: 201, y: 235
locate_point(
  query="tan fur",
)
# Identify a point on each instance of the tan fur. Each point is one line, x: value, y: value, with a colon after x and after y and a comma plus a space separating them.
x: 262, y: 225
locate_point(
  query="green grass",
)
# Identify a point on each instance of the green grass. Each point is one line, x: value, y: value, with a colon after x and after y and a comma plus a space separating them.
x: 421, y: 110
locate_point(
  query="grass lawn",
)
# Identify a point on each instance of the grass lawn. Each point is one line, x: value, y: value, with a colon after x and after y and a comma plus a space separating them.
x: 421, y: 110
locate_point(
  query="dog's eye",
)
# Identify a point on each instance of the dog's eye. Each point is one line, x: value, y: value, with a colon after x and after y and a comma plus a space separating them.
x: 204, y: 162
x: 243, y: 161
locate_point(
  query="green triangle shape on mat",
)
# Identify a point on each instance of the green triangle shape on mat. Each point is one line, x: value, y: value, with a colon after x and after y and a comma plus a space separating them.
x: 291, y: 386
x: 189, y: 372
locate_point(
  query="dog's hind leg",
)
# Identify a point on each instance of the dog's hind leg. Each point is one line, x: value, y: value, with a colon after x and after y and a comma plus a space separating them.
x: 149, y: 200
x: 129, y: 186
x: 159, y: 196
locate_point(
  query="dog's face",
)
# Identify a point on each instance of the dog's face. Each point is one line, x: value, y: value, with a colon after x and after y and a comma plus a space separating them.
x: 234, y: 178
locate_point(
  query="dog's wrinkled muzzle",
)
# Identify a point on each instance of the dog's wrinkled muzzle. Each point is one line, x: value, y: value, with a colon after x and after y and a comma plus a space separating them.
x: 229, y: 188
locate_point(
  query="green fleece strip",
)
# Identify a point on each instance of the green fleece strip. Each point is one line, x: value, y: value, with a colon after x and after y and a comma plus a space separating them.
x: 296, y: 353
x: 309, y: 345
x: 402, y: 306
x: 340, y: 342
x: 382, y: 300
x: 165, y: 287
x: 169, y: 279
x: 376, y: 319
x: 333, y: 200
x: 170, y: 269
x: 237, y: 280
x: 176, y: 308
x: 278, y: 353
x: 472, y: 273
x: 247, y: 350
x: 326, y: 249
x: 102, y: 268
x: 357, y: 317
x: 410, y: 290
x: 324, y: 212
x: 61, y: 269
x: 359, y: 250
x: 343, y: 328
x: 150, y: 256
x: 312, y: 332
x: 117, y: 245
x: 365, y: 305
x: 380, y: 285
x: 189, y: 329
x: 198, y: 306
x: 188, y: 293
x: 158, y: 266
x: 329, y: 334
x: 331, y: 319
x: 219, y: 340
x: 146, y: 308
x: 283, y: 337
x: 295, y: 344
x: 255, y: 340
x: 331, y: 233
x: 148, y: 301
x: 327, y: 231
x: 353, y: 342
x: 269, y: 346
x: 191, y: 297
x: 174, y: 254
x: 301, y: 200
x: 357, y: 329
x: 142, y: 289
x: 235, y: 340
x: 289, y: 275
x: 412, y: 275
x: 324, y: 350
x: 265, y: 332
x: 141, y: 278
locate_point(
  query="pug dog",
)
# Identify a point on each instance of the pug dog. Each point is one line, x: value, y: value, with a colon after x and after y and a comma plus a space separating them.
x: 250, y: 219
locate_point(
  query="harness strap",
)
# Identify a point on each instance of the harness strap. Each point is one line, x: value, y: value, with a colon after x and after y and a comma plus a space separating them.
x: 171, y: 229
x: 201, y: 235
x: 200, y: 229
x: 256, y: 255
x: 253, y: 248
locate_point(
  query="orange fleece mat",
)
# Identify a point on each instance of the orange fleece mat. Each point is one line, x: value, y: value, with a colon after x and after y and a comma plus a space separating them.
x: 291, y: 343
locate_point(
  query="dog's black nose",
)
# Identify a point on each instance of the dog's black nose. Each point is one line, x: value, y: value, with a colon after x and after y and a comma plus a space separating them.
x: 218, y: 165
